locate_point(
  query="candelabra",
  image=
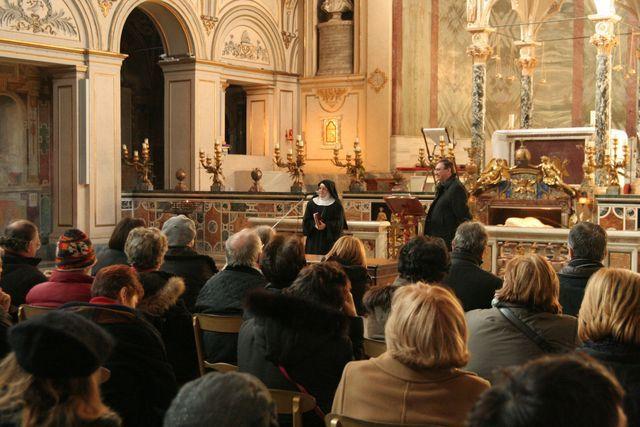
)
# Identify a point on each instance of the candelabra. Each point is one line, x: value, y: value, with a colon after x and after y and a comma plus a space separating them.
x: 422, y: 159
x: 613, y: 167
x: 143, y: 168
x: 354, y: 169
x: 214, y: 167
x: 588, y: 168
x: 293, y: 165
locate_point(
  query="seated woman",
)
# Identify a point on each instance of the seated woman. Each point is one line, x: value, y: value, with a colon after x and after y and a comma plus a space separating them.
x: 421, y: 259
x: 281, y: 260
x: 53, y: 376
x: 161, y: 304
x: 142, y: 382
x: 609, y: 326
x: 114, y: 254
x: 302, y: 337
x: 426, y: 345
x: 524, y: 321
x: 349, y: 252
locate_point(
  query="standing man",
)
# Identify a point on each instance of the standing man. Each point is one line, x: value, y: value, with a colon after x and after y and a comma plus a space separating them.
x: 449, y: 209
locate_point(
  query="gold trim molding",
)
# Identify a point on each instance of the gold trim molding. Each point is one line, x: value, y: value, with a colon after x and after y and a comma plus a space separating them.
x: 332, y: 98
x: 73, y: 50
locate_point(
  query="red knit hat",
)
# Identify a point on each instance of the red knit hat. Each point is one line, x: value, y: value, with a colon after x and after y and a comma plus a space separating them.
x: 74, y: 251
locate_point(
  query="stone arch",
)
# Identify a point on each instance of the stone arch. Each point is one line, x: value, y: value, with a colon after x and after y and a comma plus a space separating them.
x: 87, y: 20
x: 258, y: 20
x: 175, y: 20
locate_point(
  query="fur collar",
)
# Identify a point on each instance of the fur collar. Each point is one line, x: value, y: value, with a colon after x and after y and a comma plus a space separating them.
x: 296, y: 313
x: 166, y: 297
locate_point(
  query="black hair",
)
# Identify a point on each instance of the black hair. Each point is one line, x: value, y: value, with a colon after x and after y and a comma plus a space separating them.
x: 282, y: 259
x: 424, y: 258
x: 448, y: 164
x: 121, y: 232
x: 322, y: 283
x: 560, y: 391
x: 18, y: 234
x: 588, y: 241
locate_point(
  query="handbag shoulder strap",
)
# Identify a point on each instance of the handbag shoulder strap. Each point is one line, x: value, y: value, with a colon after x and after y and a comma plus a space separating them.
x: 526, y: 330
x: 319, y: 412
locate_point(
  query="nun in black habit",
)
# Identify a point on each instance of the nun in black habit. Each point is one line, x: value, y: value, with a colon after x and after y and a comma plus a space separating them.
x: 324, y: 219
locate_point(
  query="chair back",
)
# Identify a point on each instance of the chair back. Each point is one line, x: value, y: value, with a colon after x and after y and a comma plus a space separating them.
x: 213, y: 323
x: 335, y: 420
x: 294, y: 403
x: 26, y: 311
x: 374, y: 348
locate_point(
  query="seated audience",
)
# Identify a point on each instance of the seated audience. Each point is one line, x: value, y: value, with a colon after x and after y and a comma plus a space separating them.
x: 161, y: 304
x: 304, y: 336
x: 609, y: 326
x: 223, y: 293
x: 142, y: 382
x: 232, y: 400
x: 265, y: 233
x: 53, y: 375
x: 71, y: 280
x: 587, y: 247
x: 524, y: 322
x: 348, y: 251
x: 281, y: 260
x: 474, y: 286
x: 19, y: 245
x: 558, y: 391
x: 182, y: 260
x: 114, y: 254
x: 422, y: 259
x: 426, y: 345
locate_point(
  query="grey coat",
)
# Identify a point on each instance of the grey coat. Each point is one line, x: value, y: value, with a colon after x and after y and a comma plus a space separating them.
x: 494, y: 343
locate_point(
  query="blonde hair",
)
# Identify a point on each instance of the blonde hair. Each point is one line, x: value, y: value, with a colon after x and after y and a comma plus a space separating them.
x: 145, y: 247
x: 427, y: 328
x: 530, y: 280
x: 47, y: 402
x: 348, y: 250
x: 611, y: 307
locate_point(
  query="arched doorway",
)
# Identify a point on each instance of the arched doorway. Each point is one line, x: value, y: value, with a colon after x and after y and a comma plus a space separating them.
x: 235, y: 118
x: 142, y: 93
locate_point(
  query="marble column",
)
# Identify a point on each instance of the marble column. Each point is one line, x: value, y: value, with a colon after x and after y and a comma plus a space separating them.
x: 480, y: 50
x: 604, y: 40
x: 527, y: 62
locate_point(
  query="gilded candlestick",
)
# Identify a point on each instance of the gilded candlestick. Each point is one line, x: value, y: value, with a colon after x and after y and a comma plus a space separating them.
x: 293, y: 165
x: 142, y: 168
x: 214, y: 167
x: 354, y: 169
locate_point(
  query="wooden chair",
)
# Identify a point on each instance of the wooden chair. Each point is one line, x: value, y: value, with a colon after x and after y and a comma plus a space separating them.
x: 335, y: 420
x: 294, y: 403
x: 374, y: 348
x: 213, y: 323
x: 26, y: 311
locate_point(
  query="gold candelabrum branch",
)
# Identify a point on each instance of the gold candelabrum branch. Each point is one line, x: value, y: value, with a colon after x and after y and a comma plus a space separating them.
x: 141, y: 164
x: 355, y: 167
x: 422, y: 159
x: 214, y: 166
x: 589, y: 167
x: 292, y: 164
x: 613, y: 165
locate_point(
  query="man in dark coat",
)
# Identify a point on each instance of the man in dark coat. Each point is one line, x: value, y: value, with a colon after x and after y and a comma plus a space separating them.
x: 449, y: 209
x: 181, y: 260
x: 474, y: 286
x: 587, y: 247
x: 224, y: 293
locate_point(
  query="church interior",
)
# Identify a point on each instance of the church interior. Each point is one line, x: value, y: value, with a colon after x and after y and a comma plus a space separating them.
x: 231, y: 112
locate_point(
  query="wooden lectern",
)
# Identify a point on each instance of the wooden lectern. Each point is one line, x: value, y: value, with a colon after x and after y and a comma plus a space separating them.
x: 409, y: 211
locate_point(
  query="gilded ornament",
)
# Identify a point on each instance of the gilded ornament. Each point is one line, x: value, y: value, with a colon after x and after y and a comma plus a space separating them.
x: 332, y: 98
x: 209, y: 23
x: 105, y: 6
x: 246, y: 49
x: 287, y: 38
x: 377, y: 79
x: 36, y: 16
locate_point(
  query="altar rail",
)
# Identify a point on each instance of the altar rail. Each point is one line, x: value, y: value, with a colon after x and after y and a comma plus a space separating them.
x: 219, y: 215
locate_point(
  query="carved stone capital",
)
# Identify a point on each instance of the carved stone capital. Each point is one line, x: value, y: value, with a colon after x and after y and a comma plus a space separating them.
x: 479, y: 53
x: 209, y: 23
x: 527, y: 64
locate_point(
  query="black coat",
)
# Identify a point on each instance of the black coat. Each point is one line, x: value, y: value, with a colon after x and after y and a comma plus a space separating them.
x: 448, y: 210
x: 194, y: 268
x: 19, y: 275
x: 5, y: 324
x: 108, y: 257
x: 309, y: 340
x: 142, y: 382
x: 360, y: 282
x: 624, y: 361
x: 163, y: 308
x: 473, y: 286
x: 573, y: 280
x: 224, y: 294
x: 321, y: 241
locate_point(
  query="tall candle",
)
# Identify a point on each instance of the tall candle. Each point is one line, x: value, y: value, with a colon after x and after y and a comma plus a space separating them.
x: 512, y: 121
x: 592, y: 118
